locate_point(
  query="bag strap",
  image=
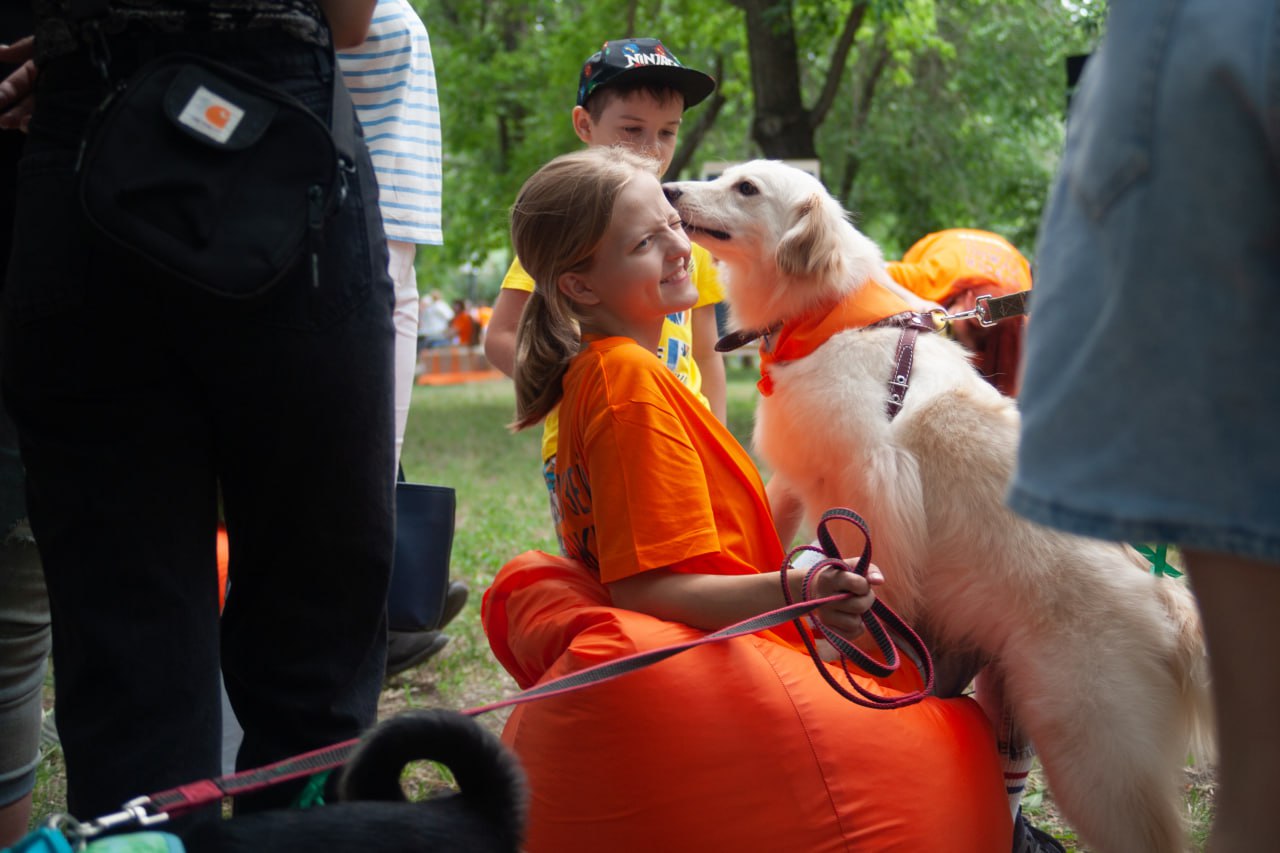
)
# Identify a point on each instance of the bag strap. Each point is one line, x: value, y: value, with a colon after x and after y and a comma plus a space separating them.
x: 342, y: 121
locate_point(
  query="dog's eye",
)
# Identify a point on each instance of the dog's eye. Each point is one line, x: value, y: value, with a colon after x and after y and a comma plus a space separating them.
x: 747, y: 188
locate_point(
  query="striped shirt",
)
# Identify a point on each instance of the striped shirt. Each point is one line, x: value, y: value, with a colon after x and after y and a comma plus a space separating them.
x: 393, y: 85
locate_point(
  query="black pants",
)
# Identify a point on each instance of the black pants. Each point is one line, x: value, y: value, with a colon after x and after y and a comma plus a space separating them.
x: 136, y: 400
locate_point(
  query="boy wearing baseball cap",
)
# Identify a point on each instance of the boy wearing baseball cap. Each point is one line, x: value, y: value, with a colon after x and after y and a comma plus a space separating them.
x: 632, y: 92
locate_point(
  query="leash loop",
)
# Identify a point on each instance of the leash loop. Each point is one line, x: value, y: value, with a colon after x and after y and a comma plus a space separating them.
x: 879, y: 621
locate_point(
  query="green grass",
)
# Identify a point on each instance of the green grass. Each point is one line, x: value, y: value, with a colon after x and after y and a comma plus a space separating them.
x: 457, y: 437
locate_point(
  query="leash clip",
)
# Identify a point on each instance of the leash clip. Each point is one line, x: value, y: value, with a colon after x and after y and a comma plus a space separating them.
x: 980, y: 312
x: 988, y: 310
x: 134, y: 812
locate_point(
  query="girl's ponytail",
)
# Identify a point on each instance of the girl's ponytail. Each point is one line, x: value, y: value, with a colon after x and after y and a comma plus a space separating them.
x: 546, y: 341
x: 558, y: 220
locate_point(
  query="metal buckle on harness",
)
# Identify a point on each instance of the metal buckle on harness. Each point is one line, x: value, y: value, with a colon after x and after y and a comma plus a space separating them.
x: 898, y: 389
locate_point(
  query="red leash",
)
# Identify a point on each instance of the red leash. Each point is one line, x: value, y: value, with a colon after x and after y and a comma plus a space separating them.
x: 159, y: 807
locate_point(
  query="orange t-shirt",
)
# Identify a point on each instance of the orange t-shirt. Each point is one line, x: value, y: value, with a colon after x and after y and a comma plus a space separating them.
x: 647, y: 478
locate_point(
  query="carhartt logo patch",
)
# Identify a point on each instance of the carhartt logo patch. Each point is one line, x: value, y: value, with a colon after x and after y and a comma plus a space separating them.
x: 211, y: 115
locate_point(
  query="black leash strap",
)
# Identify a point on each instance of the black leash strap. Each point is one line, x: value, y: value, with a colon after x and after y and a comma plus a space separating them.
x: 989, y: 310
x: 1003, y: 307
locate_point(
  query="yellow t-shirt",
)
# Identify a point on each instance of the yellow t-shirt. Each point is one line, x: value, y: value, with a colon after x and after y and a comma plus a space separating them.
x: 676, y: 345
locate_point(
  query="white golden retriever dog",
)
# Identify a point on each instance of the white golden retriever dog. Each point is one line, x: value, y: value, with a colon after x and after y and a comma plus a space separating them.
x: 1103, y: 663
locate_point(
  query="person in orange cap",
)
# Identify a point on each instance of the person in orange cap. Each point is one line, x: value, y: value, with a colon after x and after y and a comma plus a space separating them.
x: 956, y: 266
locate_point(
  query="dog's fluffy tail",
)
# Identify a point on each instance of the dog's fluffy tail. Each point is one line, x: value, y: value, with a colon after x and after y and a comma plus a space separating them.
x: 489, y: 778
x: 1191, y: 668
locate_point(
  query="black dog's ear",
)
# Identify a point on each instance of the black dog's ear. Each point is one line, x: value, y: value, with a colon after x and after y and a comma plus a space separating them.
x: 810, y: 247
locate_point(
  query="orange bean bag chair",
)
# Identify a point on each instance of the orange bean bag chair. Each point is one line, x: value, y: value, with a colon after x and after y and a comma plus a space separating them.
x: 735, y: 746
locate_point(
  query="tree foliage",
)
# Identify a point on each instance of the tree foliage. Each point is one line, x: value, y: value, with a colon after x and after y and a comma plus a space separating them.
x: 923, y: 114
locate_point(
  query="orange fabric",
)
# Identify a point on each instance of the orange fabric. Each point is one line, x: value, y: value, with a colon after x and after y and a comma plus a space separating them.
x: 942, y: 264
x: 797, y: 338
x: 224, y: 557
x: 464, y: 326
x: 648, y: 478
x: 952, y: 267
x: 739, y: 745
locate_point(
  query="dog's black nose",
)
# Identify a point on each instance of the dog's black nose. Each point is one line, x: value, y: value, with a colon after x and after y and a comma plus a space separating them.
x: 670, y: 191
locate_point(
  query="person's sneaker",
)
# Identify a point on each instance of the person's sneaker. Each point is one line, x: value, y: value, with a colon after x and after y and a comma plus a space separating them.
x: 1028, y: 839
x: 407, y: 649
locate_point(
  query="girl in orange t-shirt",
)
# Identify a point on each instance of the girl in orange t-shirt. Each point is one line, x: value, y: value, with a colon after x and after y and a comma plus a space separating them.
x: 662, y: 506
x: 656, y: 495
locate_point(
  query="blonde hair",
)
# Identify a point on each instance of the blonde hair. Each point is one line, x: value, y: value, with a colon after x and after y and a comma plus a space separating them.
x: 557, y: 222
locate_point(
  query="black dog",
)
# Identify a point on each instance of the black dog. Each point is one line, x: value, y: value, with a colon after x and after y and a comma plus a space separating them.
x: 487, y: 815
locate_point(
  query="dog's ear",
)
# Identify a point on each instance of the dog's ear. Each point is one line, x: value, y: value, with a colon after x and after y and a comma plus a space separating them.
x: 810, y: 247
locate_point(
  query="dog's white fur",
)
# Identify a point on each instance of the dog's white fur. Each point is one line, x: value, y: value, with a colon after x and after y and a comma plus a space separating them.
x: 1103, y: 663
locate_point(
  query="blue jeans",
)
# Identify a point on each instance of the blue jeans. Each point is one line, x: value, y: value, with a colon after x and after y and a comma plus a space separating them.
x: 140, y: 403
x: 1149, y: 395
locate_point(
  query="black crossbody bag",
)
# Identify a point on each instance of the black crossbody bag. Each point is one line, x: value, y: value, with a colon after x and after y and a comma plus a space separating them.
x: 211, y: 176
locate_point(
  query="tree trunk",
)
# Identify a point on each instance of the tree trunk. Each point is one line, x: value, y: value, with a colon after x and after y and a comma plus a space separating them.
x: 692, y: 137
x: 781, y: 126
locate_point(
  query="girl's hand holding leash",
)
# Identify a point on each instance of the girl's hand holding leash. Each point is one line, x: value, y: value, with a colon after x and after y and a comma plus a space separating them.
x: 844, y: 616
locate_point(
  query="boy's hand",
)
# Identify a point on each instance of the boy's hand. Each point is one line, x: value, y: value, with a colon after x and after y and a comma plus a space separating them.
x: 17, y: 97
x: 845, y: 616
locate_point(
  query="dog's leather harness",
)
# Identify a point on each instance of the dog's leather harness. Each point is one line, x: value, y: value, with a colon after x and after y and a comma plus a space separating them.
x: 912, y: 324
x: 989, y: 311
